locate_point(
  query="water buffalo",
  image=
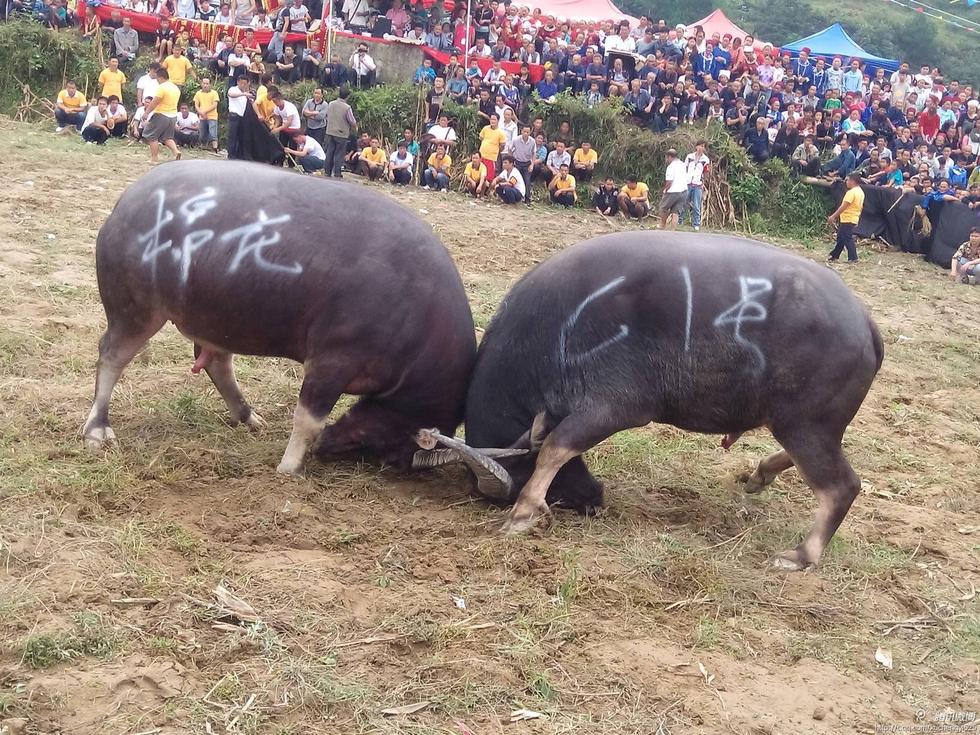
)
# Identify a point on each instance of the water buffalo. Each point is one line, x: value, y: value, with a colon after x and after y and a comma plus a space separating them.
x: 710, y: 333
x: 248, y: 259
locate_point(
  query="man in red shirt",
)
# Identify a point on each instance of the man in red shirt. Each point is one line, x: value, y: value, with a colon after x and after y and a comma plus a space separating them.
x: 929, y: 122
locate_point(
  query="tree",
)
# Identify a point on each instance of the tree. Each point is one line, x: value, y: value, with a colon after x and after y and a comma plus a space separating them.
x: 680, y: 11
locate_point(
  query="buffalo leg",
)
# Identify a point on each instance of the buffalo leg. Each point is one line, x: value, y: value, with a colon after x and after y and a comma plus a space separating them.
x: 322, y: 386
x: 767, y: 471
x: 570, y: 438
x: 118, y: 346
x: 220, y: 368
x: 835, y: 485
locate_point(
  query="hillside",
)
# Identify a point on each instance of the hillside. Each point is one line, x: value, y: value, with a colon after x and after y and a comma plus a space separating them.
x: 880, y: 27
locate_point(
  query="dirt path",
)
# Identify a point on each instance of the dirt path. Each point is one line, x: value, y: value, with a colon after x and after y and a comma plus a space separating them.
x: 374, y: 590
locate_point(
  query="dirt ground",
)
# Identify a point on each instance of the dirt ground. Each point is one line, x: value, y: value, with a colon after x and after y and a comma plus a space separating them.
x: 365, y: 590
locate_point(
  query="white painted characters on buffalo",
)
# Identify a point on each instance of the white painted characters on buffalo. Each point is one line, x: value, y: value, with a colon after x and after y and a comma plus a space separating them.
x: 747, y: 310
x: 564, y: 356
x: 252, y: 239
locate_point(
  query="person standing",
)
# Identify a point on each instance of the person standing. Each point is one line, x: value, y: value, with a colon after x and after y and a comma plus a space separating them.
x: 340, y: 124
x: 315, y: 115
x: 849, y: 212
x: 161, y: 120
x: 674, y: 197
x: 522, y: 148
x: 206, y: 104
x: 695, y: 166
x: 237, y: 102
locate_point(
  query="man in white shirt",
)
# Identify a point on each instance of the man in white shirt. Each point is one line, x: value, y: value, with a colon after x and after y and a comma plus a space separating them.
x: 556, y: 158
x: 309, y: 153
x: 622, y: 43
x: 238, y: 100
x: 400, y: 165
x: 509, y: 185
x: 442, y: 133
x: 147, y: 84
x: 509, y: 126
x: 119, y: 117
x: 362, y: 66
x: 674, y: 197
x: 287, y: 112
x: 299, y: 17
x: 187, y: 131
x: 695, y: 166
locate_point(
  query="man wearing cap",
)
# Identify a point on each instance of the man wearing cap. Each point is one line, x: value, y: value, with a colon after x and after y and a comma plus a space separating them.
x: 674, y: 197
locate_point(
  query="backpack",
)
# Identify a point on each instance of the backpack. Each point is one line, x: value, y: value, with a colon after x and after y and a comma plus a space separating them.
x: 958, y: 177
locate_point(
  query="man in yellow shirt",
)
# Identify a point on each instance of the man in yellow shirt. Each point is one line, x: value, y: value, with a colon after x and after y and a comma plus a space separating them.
x: 206, y: 104
x: 634, y: 199
x: 112, y: 79
x: 584, y: 161
x: 161, y: 117
x: 437, y: 169
x: 178, y: 66
x: 373, y: 161
x: 475, y: 176
x: 264, y: 107
x: 562, y: 188
x: 492, y: 139
x: 70, y: 107
x: 849, y: 213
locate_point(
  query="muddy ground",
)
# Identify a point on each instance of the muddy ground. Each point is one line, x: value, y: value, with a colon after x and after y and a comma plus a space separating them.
x: 373, y: 590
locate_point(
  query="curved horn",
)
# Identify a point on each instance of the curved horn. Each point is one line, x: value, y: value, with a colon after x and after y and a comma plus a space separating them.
x: 428, y: 458
x: 492, y: 480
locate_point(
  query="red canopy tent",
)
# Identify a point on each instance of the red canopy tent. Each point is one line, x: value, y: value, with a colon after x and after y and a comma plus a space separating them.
x: 718, y: 22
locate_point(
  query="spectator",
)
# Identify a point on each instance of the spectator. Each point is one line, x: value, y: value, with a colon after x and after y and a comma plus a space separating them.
x: 178, y: 67
x: 475, y: 176
x: 843, y: 164
x: 442, y: 133
x: 965, y: 264
x: 298, y: 17
x: 161, y: 117
x: 70, y: 108
x: 584, y: 162
x: 546, y: 88
x: 509, y: 185
x: 806, y: 158
x: 492, y: 141
x: 335, y: 74
x: 340, y: 124
x: 756, y: 141
x: 849, y: 212
x: 187, y: 129
x: 308, y: 152
x: 373, y: 161
x: 112, y: 79
x: 666, y: 115
x: 97, y: 123
x: 315, y: 115
x: 437, y: 169
x: 696, y: 165
x: 606, y: 198
x: 425, y: 75
x: 400, y: 166
x: 125, y: 42
x: 562, y: 188
x: 362, y: 67
x: 146, y: 85
x: 206, y: 105
x: 118, y: 118
x: 634, y: 199
x: 163, y: 41
x: 675, y: 192
x: 288, y: 66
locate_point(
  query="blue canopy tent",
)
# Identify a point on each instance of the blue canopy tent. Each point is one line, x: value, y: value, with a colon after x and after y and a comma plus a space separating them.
x: 834, y: 41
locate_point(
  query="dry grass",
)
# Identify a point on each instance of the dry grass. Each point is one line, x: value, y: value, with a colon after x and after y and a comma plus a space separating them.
x: 658, y: 616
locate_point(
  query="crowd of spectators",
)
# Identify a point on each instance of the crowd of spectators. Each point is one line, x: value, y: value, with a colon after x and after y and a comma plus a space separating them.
x: 825, y: 117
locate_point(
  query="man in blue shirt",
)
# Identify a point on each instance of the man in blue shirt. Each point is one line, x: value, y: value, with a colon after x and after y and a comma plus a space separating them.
x: 843, y: 163
x: 547, y: 89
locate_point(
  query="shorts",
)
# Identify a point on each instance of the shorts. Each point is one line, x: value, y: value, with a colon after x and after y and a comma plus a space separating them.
x: 673, y: 202
x: 159, y: 129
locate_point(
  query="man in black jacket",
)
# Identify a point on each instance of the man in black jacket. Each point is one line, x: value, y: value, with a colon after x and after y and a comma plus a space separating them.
x: 606, y: 198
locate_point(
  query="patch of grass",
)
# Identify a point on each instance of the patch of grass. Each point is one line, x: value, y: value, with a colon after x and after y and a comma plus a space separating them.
x: 539, y: 684
x: 228, y: 689
x: 707, y: 634
x: 966, y: 639
x: 91, y: 637
x: 873, y: 559
x: 8, y: 703
x: 568, y: 587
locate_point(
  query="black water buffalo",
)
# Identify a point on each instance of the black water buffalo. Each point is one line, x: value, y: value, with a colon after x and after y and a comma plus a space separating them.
x: 710, y: 333
x: 248, y: 259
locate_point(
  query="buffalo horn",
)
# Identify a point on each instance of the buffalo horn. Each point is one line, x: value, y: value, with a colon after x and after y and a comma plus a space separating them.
x: 492, y: 480
x: 426, y: 459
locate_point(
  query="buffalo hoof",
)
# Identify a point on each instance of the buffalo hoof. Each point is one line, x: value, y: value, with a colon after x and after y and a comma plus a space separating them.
x: 790, y: 561
x: 289, y: 471
x: 525, y: 522
x: 254, y: 422
x: 99, y: 438
x: 754, y: 484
